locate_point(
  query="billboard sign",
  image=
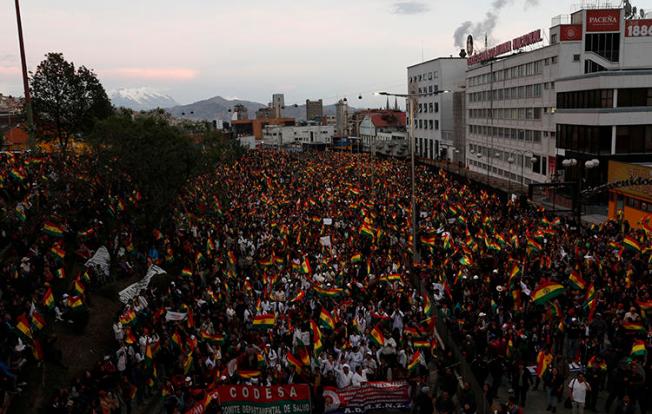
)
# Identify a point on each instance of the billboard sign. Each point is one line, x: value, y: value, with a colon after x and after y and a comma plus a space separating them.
x: 570, y: 32
x: 638, y: 28
x: 505, y: 47
x: 606, y: 20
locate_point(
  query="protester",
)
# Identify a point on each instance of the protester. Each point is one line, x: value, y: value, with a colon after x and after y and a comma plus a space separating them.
x: 285, y: 268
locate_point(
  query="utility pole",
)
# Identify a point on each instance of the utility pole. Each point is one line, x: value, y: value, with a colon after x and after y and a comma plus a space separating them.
x: 28, y: 98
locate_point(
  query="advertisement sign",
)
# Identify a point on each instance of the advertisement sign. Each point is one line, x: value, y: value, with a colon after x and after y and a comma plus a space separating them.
x: 277, y: 399
x: 570, y: 32
x: 638, y: 28
x: 506, y: 47
x: 603, y: 20
x: 373, y: 396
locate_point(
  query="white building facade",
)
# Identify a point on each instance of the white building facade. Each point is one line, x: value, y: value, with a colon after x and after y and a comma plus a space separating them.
x: 587, y: 95
x: 433, y: 114
x: 276, y: 135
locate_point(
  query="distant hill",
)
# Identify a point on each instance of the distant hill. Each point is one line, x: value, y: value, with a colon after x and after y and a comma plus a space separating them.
x: 140, y: 99
x: 218, y: 108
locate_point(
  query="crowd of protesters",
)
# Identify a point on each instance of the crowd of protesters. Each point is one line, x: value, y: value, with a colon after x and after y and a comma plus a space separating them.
x: 299, y: 268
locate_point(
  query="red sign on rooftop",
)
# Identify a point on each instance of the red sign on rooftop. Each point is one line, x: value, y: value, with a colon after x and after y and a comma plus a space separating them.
x: 607, y: 20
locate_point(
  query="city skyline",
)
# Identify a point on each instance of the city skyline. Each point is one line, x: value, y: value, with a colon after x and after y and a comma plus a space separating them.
x: 197, y: 50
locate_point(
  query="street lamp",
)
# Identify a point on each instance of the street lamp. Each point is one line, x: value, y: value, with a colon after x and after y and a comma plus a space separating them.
x: 412, y: 97
x: 510, y: 161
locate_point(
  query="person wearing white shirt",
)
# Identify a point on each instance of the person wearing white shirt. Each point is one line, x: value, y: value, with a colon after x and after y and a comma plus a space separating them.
x: 344, y: 376
x: 355, y: 357
x: 578, y: 388
x: 355, y: 338
x: 360, y: 377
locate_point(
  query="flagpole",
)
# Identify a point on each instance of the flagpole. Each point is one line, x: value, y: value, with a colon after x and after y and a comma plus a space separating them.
x: 28, y: 98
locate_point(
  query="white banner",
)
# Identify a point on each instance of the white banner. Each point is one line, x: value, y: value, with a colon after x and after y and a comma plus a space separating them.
x: 100, y: 261
x: 175, y: 316
x: 328, y: 221
x: 134, y: 289
x: 325, y: 241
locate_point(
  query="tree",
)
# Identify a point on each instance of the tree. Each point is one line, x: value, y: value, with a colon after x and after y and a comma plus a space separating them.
x: 158, y: 159
x: 66, y: 101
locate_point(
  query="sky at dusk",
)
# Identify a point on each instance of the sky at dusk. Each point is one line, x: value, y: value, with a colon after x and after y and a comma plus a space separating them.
x: 196, y: 49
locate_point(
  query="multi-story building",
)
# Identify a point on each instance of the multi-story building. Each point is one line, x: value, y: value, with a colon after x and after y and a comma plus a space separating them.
x: 433, y: 113
x: 380, y: 125
x: 583, y: 96
x: 278, y: 135
x: 314, y: 110
x: 341, y: 118
x: 278, y: 102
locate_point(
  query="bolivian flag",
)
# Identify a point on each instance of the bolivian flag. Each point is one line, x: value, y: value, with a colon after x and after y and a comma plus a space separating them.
x: 299, y: 297
x: 219, y: 339
x: 543, y: 361
x: 58, y: 252
x: 305, y: 266
x: 466, y: 261
x: 414, y: 361
x: 128, y: 317
x: 428, y: 240
x: 187, y: 272
x: 20, y: 214
x: 421, y: 343
x: 427, y: 306
x: 576, y: 280
x: 332, y: 292
x: 61, y: 273
x: 546, y: 291
x: 533, y: 245
x: 631, y: 243
x: 48, y: 299
x: 78, y: 286
x: 326, y: 320
x: 264, y: 321
x: 638, y: 349
x: 356, y: 258
x: 316, y: 338
x: 367, y: 230
x: 376, y: 335
x: 75, y: 302
x: 249, y: 373
x: 514, y: 272
x: 22, y: 324
x: 53, y: 229
x: 645, y: 306
x: 295, y: 362
x: 634, y: 326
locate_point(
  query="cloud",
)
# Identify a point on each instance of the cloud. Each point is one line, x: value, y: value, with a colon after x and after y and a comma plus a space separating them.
x: 410, y: 7
x: 152, y: 73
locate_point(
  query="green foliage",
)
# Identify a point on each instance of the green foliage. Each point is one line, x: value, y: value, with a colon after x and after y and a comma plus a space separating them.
x: 158, y: 159
x: 66, y: 101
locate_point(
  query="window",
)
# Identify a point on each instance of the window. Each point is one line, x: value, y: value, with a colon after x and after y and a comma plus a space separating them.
x: 633, y: 139
x: 436, y: 124
x: 576, y: 58
x: 553, y: 38
x: 430, y: 107
x: 430, y: 123
x: 436, y: 107
x: 606, y: 45
x: 634, y: 97
x: 554, y: 60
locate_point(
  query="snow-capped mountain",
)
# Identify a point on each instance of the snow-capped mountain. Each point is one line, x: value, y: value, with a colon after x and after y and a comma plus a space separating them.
x: 140, y: 99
